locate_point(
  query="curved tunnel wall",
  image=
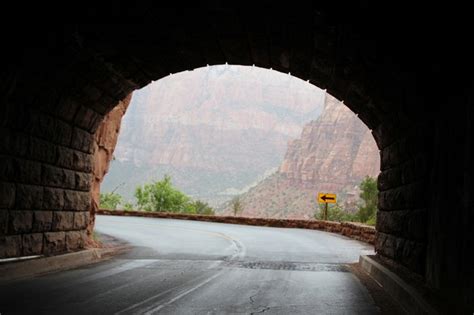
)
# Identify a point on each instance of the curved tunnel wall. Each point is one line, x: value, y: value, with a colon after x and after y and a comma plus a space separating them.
x: 60, y: 83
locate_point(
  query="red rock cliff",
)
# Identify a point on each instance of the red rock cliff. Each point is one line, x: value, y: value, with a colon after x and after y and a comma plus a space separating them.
x: 333, y: 154
x: 104, y: 146
x: 333, y: 151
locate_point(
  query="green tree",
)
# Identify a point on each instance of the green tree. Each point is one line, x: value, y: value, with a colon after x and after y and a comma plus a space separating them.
x: 128, y: 206
x: 237, y: 206
x: 161, y: 196
x: 369, y: 194
x: 202, y: 208
x: 110, y: 200
x: 335, y: 213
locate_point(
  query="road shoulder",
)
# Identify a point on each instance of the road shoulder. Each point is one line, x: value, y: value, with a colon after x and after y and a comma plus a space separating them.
x: 39, y: 265
x: 382, y: 299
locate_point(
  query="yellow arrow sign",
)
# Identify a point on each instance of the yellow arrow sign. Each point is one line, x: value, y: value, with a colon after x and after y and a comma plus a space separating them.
x: 326, y: 198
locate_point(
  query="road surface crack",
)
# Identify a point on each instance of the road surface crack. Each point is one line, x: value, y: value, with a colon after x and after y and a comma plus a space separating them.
x: 252, y: 301
x: 265, y: 308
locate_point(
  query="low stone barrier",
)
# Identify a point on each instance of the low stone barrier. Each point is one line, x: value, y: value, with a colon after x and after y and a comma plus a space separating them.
x: 353, y: 230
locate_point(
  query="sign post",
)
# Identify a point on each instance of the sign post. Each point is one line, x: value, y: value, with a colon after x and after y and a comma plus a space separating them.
x: 326, y: 198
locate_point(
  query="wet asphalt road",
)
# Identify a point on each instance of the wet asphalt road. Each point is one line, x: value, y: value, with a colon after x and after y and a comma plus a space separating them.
x: 190, y: 267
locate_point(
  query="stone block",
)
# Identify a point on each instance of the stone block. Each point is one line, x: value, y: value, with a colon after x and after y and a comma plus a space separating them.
x: 65, y: 157
x: 82, y: 161
x: 10, y: 246
x: 53, y: 198
x: 32, y: 244
x: 29, y: 197
x: 54, y: 242
x: 82, y: 140
x: 83, y: 181
x: 385, y: 159
x: 391, y: 222
x: 42, y: 221
x: 69, y: 179
x: 7, y: 195
x: 58, y: 177
x: 75, y: 240
x: 385, y: 245
x: 67, y: 108
x: 77, y: 200
x: 43, y: 125
x: 389, y: 179
x: 63, y: 133
x: 52, y: 176
x: 20, y: 221
x: 385, y: 134
x: 27, y: 172
x: 62, y: 220
x: 80, y: 220
x: 88, y: 119
x: 394, y: 199
x: 42, y: 150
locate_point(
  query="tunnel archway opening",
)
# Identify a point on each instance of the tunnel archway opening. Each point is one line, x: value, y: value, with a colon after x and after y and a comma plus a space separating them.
x: 227, y: 134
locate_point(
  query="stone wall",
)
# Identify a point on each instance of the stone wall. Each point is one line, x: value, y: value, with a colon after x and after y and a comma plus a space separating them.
x: 45, y: 189
x: 356, y: 231
x: 48, y: 165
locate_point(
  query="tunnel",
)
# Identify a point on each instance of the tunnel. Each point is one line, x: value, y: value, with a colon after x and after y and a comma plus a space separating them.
x: 410, y: 83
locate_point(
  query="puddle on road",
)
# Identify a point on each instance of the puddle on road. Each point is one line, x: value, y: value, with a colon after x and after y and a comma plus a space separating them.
x: 285, y: 265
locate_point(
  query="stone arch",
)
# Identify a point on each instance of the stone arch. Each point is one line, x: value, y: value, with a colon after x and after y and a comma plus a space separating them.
x: 57, y: 89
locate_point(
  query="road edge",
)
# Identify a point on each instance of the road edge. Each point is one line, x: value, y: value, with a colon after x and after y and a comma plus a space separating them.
x: 24, y: 269
x: 407, y: 296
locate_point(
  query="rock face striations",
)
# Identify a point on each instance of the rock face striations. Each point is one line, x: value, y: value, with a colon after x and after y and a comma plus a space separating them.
x: 215, y: 130
x: 333, y: 154
x: 105, y: 140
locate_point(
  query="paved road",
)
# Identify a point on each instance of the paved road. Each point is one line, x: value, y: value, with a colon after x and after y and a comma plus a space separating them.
x: 189, y: 267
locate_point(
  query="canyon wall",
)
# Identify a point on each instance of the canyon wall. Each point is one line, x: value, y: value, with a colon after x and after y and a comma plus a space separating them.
x: 333, y: 154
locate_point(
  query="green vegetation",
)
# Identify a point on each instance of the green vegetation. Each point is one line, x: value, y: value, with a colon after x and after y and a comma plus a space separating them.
x: 128, y: 206
x: 237, y: 206
x: 110, y: 200
x: 369, y: 194
x: 202, y: 208
x: 335, y: 213
x: 159, y: 196
x: 95, y: 236
x: 367, y: 210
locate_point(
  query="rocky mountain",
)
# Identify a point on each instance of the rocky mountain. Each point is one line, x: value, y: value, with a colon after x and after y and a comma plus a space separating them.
x: 333, y: 154
x: 215, y: 130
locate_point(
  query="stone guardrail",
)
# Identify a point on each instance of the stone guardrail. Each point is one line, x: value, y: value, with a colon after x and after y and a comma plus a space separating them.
x: 353, y: 230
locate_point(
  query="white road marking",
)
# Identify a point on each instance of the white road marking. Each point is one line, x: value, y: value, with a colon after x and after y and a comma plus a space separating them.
x: 179, y: 296
x: 136, y: 263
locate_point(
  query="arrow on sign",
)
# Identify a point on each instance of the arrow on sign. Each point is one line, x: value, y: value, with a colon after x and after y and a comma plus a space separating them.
x: 327, y: 198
